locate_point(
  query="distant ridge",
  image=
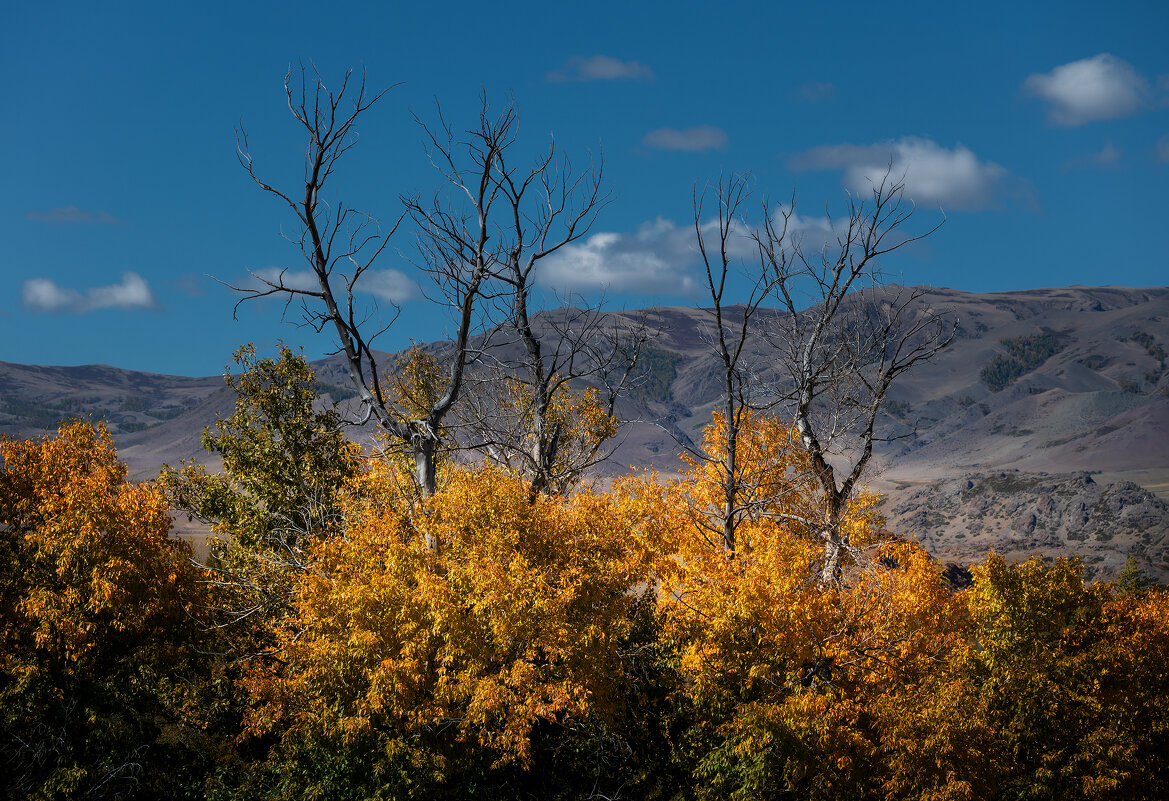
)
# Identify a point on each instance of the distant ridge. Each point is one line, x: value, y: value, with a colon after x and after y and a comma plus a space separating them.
x: 1044, y: 385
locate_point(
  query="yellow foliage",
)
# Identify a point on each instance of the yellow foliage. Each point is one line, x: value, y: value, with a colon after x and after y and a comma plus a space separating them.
x: 773, y: 481
x: 417, y: 384
x: 550, y: 445
x: 763, y: 618
x: 762, y: 643
x: 517, y: 618
x: 95, y: 563
x: 97, y: 643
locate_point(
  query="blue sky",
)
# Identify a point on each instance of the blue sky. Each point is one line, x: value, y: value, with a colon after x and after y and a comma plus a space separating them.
x: 1041, y: 129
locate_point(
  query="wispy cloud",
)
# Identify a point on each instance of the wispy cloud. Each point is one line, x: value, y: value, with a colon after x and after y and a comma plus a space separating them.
x: 1107, y: 156
x: 189, y: 284
x: 817, y: 92
x: 389, y: 285
x: 954, y: 178
x: 599, y: 68
x: 72, y: 214
x: 1161, y: 149
x: 1099, y: 88
x: 702, y: 137
x: 46, y: 295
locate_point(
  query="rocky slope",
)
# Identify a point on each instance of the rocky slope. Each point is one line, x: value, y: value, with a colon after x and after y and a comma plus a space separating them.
x: 1020, y: 514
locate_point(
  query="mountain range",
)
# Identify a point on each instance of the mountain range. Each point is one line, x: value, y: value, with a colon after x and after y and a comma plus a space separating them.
x: 1042, y: 428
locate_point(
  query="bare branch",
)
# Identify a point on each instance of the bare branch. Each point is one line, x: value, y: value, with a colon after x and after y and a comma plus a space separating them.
x: 509, y: 220
x: 840, y: 353
x: 341, y: 246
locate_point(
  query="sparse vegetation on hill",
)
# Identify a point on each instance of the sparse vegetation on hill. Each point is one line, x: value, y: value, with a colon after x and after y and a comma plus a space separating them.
x: 1024, y: 354
x: 1149, y: 343
x: 657, y: 370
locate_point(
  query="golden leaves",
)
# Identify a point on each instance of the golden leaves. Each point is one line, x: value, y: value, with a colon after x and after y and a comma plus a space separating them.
x: 516, y: 634
x: 92, y: 547
x: 515, y: 619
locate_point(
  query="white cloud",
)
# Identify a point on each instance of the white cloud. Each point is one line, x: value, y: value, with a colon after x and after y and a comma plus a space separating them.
x: 1097, y: 88
x: 599, y: 68
x: 72, y: 214
x: 293, y: 279
x: 132, y: 293
x: 45, y: 295
x: 703, y: 137
x: 389, y: 285
x: 660, y: 258
x: 657, y: 259
x: 809, y: 233
x: 934, y: 175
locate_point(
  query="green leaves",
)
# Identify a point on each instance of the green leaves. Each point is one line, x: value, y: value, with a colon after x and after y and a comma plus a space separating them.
x: 286, y: 466
x: 284, y: 460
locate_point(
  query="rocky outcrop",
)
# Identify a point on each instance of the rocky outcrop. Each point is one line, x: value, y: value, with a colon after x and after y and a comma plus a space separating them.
x: 1017, y: 513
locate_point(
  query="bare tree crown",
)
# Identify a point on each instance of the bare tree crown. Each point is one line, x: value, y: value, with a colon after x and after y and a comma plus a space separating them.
x: 480, y: 239
x: 510, y: 217
x: 839, y: 336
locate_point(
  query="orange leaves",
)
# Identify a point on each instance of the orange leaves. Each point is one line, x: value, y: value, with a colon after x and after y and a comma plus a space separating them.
x: 94, y: 629
x: 525, y: 636
x: 91, y: 546
x: 787, y: 669
x: 771, y: 468
x: 515, y: 619
x: 760, y: 613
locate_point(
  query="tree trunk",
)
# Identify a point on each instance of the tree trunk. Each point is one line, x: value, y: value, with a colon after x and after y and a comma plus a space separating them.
x: 425, y: 448
x: 831, y: 572
x: 834, y: 544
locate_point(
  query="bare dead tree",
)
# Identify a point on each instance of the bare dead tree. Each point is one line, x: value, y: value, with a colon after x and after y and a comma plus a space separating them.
x: 563, y: 435
x: 732, y: 325
x: 839, y: 348
x: 549, y: 414
x: 518, y: 416
x: 341, y: 245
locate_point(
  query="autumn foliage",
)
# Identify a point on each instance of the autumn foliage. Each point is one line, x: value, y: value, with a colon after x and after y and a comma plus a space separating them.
x: 519, y: 620
x: 783, y: 671
x: 96, y: 646
x: 482, y: 642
